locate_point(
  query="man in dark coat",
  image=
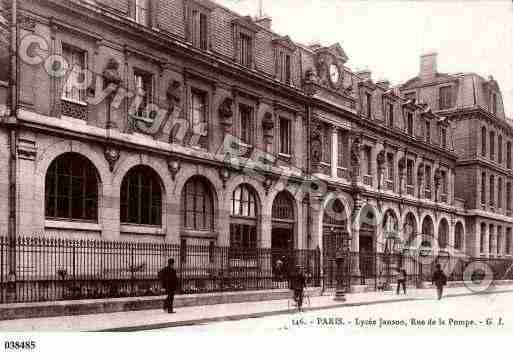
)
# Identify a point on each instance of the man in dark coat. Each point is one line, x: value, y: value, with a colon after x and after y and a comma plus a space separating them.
x: 169, y: 282
x: 298, y: 284
x: 439, y: 280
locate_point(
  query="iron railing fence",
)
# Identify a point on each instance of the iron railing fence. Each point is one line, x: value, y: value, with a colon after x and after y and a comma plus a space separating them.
x: 47, y: 269
x: 376, y: 269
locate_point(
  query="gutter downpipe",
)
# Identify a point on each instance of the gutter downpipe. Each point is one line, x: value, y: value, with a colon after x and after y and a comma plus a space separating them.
x: 11, y: 125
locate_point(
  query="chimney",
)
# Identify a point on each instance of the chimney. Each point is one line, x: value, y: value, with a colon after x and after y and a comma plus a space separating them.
x: 428, y: 65
x: 383, y: 83
x: 365, y: 75
x: 264, y: 21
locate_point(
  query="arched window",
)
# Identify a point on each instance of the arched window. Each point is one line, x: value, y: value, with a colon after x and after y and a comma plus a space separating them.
x: 458, y: 236
x: 197, y: 205
x: 483, y: 141
x: 443, y: 233
x: 410, y: 230
x: 71, y: 189
x: 427, y: 232
x: 141, y: 197
x: 282, y: 207
x: 244, y: 219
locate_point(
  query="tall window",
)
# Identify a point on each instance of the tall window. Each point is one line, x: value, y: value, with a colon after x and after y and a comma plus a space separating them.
x: 492, y: 145
x: 326, y: 149
x: 508, y: 196
x: 368, y: 160
x: 390, y: 166
x: 342, y: 146
x: 499, y: 194
x: 499, y: 149
x: 76, y: 60
x: 427, y: 174
x: 445, y: 100
x: 199, y: 117
x: 197, y: 205
x: 246, y: 124
x: 71, y: 189
x: 244, y: 219
x: 443, y: 180
x: 508, y: 155
x: 494, y: 103
x: 499, y: 239
x: 368, y: 97
x: 483, y: 142
x: 142, y: 12
x: 508, y: 241
x: 144, y: 89
x: 443, y: 136
x: 428, y: 131
x: 490, y: 238
x: 391, y: 114
x: 409, y: 172
x: 409, y: 123
x: 198, y: 31
x: 458, y: 236
x: 141, y: 197
x: 482, y: 238
x: 483, y: 188
x: 283, y: 66
x: 492, y: 191
x: 285, y: 132
x: 245, y: 50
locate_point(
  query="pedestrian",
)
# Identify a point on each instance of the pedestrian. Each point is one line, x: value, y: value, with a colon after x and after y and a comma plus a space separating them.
x: 439, y: 280
x: 297, y: 285
x: 279, y: 269
x: 401, y: 280
x: 169, y: 282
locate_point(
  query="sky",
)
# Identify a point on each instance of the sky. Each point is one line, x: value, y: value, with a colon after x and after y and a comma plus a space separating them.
x: 388, y: 37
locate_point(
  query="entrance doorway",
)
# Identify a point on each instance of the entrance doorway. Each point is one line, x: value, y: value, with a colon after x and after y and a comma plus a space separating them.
x: 282, y: 233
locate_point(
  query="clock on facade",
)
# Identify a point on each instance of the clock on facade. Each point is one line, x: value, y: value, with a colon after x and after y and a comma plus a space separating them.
x: 334, y: 74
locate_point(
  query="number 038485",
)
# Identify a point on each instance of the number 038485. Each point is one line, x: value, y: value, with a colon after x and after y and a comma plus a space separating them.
x: 19, y: 345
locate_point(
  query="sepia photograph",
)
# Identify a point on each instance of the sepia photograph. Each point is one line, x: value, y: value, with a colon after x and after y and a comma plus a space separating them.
x: 186, y: 168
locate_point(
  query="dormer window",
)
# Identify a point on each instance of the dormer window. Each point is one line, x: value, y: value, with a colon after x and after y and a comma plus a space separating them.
x: 368, y: 98
x: 198, y: 24
x: 445, y: 100
x: 409, y: 123
x: 443, y: 136
x: 493, y: 103
x: 142, y: 12
x: 283, y: 51
x: 245, y: 50
x: 244, y: 35
x: 283, y: 63
x: 390, y: 114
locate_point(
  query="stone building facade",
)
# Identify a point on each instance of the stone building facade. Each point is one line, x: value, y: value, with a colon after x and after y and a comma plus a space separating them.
x: 253, y: 140
x: 482, y: 140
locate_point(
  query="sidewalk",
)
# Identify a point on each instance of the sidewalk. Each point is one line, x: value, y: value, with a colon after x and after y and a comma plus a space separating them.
x: 155, y: 319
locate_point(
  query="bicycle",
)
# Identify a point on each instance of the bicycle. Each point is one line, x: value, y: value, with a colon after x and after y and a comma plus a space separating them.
x: 293, y: 303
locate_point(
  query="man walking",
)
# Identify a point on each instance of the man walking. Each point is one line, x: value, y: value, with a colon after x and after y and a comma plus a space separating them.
x: 401, y: 280
x: 169, y: 282
x: 298, y: 284
x: 439, y: 280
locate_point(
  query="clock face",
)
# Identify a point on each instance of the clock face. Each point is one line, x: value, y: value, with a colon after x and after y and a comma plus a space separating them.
x: 334, y: 74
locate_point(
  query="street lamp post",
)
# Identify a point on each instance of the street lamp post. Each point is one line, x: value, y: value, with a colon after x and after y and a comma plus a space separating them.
x: 342, y: 254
